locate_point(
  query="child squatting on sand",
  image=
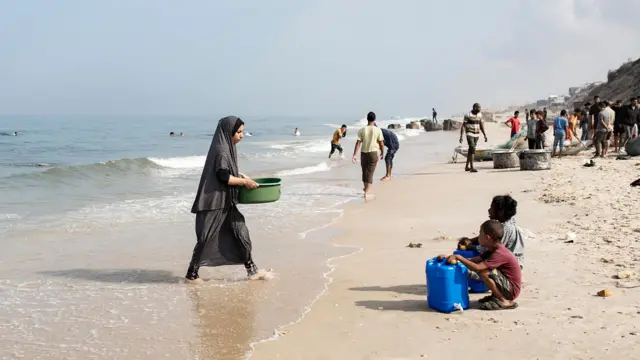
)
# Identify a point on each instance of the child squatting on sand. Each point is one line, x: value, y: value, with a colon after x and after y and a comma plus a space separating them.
x: 503, y: 208
x: 497, y: 268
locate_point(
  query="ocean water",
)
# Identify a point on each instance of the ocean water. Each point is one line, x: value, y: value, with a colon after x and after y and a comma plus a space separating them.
x: 96, y: 241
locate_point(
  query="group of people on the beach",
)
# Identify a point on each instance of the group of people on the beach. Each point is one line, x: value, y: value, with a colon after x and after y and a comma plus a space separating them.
x: 371, y: 142
x: 598, y: 121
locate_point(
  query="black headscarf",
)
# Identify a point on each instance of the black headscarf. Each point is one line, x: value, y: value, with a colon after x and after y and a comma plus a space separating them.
x: 212, y: 193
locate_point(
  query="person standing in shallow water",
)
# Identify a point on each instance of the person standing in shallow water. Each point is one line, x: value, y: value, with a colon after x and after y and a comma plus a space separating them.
x: 335, y: 140
x: 472, y: 125
x: 393, y: 145
x: 222, y: 235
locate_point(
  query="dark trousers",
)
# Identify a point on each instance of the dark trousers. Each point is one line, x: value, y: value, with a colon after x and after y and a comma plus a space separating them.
x: 532, y: 144
x: 335, y: 147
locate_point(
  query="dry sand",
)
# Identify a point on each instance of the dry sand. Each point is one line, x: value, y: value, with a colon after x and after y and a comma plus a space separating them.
x: 375, y: 308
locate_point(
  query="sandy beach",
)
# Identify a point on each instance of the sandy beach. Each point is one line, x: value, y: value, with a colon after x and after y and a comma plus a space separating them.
x: 375, y: 307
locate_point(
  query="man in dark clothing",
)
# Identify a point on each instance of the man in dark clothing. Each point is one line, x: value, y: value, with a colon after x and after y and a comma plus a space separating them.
x: 541, y: 128
x: 544, y: 114
x: 630, y: 116
x: 434, y: 113
x: 618, y: 129
x: 594, y: 110
x: 393, y: 145
x: 584, y: 122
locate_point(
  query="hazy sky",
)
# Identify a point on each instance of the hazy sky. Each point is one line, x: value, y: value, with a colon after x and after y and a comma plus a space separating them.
x: 298, y: 57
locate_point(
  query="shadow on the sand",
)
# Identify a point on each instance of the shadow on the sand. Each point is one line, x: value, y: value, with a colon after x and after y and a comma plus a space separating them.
x: 431, y: 173
x: 418, y: 289
x: 504, y: 170
x: 396, y: 305
x: 131, y: 276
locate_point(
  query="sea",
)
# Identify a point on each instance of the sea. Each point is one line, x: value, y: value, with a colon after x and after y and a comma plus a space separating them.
x: 96, y: 232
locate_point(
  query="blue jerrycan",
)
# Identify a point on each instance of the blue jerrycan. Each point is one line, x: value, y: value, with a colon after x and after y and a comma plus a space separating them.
x: 475, y: 286
x: 446, y: 286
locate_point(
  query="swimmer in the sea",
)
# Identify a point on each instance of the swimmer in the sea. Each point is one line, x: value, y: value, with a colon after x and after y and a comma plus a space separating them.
x: 296, y: 132
x: 172, y: 134
x: 181, y: 133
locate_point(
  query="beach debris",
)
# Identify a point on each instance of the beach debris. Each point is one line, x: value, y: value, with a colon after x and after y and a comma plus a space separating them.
x: 527, y: 233
x: 589, y: 163
x: 416, y: 245
x: 605, y: 293
x: 442, y: 237
x: 458, y: 307
x: 577, y: 317
x: 570, y: 236
x: 625, y: 275
x: 606, y: 261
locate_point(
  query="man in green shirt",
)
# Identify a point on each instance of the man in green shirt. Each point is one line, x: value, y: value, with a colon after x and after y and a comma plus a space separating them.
x: 371, y: 139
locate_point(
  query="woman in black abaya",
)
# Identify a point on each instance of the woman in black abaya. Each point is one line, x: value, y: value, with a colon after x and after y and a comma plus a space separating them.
x: 223, y: 237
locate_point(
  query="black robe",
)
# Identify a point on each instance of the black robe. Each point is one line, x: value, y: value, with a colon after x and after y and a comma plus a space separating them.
x: 223, y: 237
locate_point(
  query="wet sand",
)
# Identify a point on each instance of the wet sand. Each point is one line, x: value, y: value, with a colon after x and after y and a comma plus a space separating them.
x: 375, y: 308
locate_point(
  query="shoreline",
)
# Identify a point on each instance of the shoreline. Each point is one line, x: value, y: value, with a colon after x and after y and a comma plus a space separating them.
x: 557, y: 282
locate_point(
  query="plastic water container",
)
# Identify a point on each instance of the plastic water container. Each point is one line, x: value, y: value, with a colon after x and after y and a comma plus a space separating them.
x: 446, y: 285
x: 475, y: 286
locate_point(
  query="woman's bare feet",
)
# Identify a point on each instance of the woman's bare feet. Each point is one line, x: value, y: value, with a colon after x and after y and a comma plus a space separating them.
x: 385, y: 178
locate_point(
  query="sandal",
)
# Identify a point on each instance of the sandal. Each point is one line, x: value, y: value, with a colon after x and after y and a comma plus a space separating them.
x: 493, y: 304
x: 473, y: 170
x: 485, y: 299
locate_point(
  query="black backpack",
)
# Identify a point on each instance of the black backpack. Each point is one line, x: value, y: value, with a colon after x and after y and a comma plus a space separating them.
x: 543, y: 126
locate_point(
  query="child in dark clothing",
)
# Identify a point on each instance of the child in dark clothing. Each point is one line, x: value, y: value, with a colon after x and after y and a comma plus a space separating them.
x: 497, y: 267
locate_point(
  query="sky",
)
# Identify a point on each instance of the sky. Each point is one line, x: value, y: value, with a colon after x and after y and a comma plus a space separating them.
x: 303, y: 57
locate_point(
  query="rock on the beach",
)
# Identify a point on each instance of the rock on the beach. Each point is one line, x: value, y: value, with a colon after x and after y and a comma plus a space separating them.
x: 633, y: 147
x: 431, y: 126
x: 571, y: 236
x: 605, y: 293
x: 394, y: 126
x: 487, y: 116
x: 413, y: 125
x: 449, y: 125
x: 625, y: 275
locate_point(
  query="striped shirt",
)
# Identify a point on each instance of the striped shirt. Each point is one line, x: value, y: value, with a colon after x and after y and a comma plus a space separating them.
x: 471, y: 124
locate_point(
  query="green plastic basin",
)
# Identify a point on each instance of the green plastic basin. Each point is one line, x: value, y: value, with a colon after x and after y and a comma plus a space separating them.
x: 268, y: 191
